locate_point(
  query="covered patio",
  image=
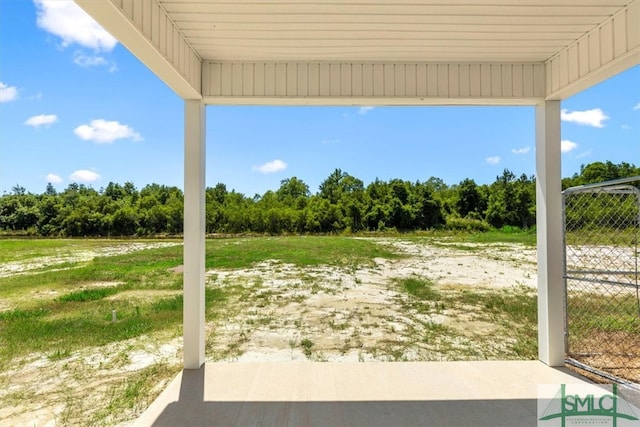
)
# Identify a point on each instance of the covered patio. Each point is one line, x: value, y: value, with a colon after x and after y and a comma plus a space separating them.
x: 493, y: 393
x: 369, y: 53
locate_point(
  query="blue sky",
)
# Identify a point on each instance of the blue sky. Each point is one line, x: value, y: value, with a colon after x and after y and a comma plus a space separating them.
x: 76, y: 106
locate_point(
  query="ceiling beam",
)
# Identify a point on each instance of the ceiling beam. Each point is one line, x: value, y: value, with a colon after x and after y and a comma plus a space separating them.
x: 362, y: 83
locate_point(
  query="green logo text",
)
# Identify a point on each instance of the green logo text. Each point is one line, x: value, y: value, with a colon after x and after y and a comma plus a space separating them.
x: 564, y: 406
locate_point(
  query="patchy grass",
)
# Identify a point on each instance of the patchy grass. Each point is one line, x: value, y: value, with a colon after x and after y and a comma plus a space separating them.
x: 77, y: 314
x: 592, y: 313
x: 133, y: 394
x: 420, y: 288
x: 447, y: 238
x: 457, y: 246
x: 607, y: 236
x: 62, y: 308
x: 523, y: 237
x: 301, y: 251
x: 512, y: 310
x: 88, y: 295
x: 142, y: 269
x: 25, y: 249
x: 604, y: 331
x: 60, y: 315
x: 518, y: 304
x: 73, y: 324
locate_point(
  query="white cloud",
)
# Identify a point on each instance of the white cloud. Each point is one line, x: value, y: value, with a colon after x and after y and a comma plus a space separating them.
x: 625, y: 127
x: 8, y: 93
x: 68, y: 21
x: 594, y: 117
x: 105, y: 132
x: 566, y: 145
x: 637, y: 106
x: 585, y: 154
x: 36, y: 97
x: 84, y: 175
x: 330, y: 141
x: 53, y: 178
x: 271, y: 167
x: 364, y: 110
x: 493, y: 160
x: 41, y: 120
x: 86, y: 61
x: 518, y: 151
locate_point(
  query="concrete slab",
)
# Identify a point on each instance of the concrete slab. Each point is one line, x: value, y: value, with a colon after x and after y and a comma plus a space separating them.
x: 489, y: 393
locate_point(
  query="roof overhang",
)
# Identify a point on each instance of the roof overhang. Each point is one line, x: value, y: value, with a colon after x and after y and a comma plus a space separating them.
x: 376, y: 52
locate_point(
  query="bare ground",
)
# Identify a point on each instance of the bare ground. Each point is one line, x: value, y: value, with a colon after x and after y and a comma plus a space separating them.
x: 360, y: 313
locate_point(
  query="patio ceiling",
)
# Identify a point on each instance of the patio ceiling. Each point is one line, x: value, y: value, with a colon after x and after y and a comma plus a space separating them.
x: 386, y: 30
x: 376, y: 51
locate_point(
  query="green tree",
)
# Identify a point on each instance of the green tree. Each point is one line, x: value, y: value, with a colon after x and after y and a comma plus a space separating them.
x: 292, y: 190
x: 331, y: 188
x: 469, y: 198
x: 50, y: 190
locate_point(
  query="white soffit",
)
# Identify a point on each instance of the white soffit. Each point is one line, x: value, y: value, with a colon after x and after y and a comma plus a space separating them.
x: 376, y: 51
x: 386, y: 30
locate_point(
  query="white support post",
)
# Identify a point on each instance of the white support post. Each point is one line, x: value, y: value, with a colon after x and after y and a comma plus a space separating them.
x: 549, y: 228
x: 194, y: 233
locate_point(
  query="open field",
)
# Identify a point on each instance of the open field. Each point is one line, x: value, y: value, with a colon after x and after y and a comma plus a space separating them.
x: 63, y: 359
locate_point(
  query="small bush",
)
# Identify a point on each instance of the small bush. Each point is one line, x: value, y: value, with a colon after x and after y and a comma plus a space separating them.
x: 306, y: 346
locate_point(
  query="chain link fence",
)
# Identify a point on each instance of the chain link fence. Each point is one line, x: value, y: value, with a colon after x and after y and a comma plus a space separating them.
x: 602, y: 296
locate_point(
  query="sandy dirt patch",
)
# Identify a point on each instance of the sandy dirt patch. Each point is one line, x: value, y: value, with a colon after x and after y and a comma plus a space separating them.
x: 359, y: 313
x: 44, y: 390
x: 143, y: 295
x: 479, y: 265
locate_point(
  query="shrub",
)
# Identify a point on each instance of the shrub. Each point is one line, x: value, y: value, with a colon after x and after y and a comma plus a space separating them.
x: 466, y: 224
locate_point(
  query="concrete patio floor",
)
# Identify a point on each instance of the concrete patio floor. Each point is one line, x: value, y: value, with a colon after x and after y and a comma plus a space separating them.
x: 488, y: 393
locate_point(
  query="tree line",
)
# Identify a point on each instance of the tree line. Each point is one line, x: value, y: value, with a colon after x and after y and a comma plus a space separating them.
x: 343, y: 203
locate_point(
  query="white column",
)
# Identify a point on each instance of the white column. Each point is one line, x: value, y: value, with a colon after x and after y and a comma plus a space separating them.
x: 549, y: 226
x: 194, y: 233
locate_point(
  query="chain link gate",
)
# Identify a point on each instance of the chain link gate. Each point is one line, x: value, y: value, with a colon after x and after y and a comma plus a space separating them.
x: 602, y: 296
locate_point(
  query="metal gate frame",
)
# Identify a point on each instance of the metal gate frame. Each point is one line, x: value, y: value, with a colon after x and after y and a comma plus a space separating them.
x: 620, y: 186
